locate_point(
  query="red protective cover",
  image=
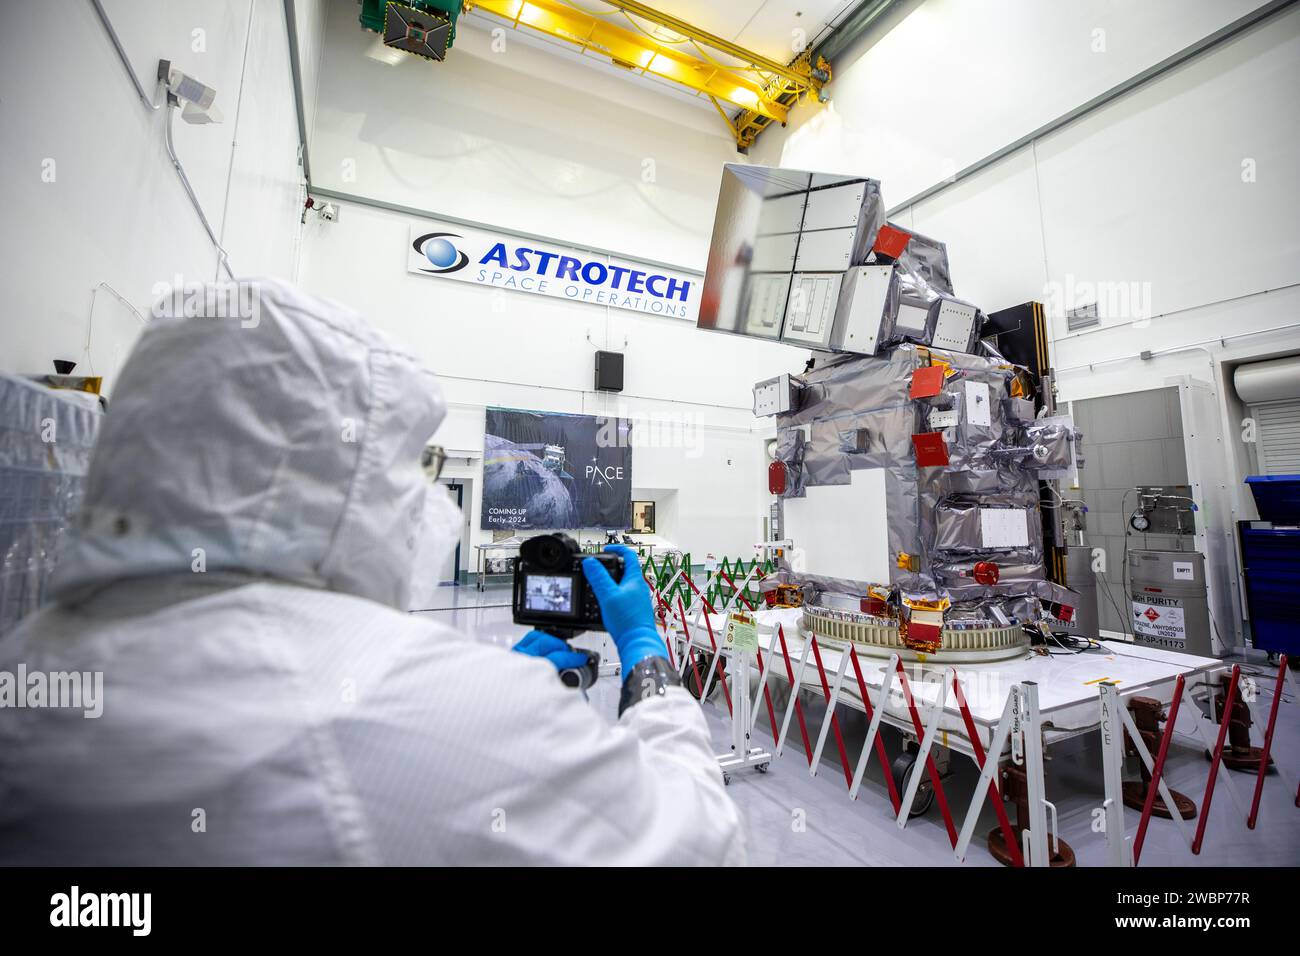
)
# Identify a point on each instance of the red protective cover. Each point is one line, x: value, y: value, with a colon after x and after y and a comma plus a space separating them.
x: 891, y: 242
x: 873, y: 605
x: 926, y: 382
x: 986, y: 572
x: 922, y: 632
x: 776, y: 478
x: 931, y: 452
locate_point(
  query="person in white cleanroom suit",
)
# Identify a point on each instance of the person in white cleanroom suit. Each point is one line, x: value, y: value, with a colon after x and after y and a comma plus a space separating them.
x: 239, y: 574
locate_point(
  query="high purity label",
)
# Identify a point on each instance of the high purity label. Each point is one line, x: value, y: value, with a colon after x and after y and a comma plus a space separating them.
x: 1160, y: 618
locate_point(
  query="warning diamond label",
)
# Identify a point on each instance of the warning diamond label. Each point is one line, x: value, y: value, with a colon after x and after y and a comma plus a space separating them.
x: 1160, y: 618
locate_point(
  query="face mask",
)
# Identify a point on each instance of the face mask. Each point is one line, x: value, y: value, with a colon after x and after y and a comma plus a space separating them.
x: 437, y: 537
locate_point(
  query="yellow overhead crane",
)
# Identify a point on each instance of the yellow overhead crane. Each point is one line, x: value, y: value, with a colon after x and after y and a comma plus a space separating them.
x: 763, y: 89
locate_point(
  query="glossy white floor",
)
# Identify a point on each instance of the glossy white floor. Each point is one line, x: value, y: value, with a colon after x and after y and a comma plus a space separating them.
x: 793, y: 818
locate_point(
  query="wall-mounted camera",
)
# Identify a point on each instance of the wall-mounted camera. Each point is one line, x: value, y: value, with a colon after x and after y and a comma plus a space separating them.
x: 327, y: 211
x: 193, y: 96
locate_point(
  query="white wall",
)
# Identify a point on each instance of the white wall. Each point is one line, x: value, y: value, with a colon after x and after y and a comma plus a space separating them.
x: 88, y: 191
x: 524, y: 140
x: 1181, y: 192
x: 952, y: 81
x: 519, y: 138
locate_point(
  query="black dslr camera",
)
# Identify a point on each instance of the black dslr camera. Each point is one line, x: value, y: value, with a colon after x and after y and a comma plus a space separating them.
x: 552, y: 594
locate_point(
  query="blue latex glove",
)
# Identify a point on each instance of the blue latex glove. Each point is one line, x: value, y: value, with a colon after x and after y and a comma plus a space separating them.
x: 551, y: 648
x: 626, y: 609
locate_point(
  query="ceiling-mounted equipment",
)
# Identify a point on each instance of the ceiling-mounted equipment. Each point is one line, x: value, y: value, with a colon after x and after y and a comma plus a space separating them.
x: 423, y: 27
x: 655, y: 43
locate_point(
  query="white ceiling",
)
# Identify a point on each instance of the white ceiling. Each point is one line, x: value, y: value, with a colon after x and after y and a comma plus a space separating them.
x: 765, y: 27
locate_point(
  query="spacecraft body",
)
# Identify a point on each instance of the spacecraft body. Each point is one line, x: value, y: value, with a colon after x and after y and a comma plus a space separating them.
x: 911, y: 458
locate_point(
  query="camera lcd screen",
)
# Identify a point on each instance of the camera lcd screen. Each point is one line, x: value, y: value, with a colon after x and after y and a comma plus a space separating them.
x: 549, y: 593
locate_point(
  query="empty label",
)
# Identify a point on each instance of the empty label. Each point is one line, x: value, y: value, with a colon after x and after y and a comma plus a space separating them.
x: 1183, y: 571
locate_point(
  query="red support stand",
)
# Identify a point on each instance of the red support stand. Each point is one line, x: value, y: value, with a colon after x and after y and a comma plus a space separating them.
x: 1009, y: 838
x: 1268, y: 745
x: 830, y: 713
x: 880, y: 743
x: 798, y: 710
x: 1216, y: 758
x: 930, y: 765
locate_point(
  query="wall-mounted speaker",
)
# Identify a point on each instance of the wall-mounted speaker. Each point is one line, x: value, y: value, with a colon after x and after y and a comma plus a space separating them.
x: 609, y: 371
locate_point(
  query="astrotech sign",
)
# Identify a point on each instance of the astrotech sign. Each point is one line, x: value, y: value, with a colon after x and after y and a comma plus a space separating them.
x: 502, y: 261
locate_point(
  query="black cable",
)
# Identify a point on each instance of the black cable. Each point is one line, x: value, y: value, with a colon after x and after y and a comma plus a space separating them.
x: 1073, y: 644
x: 1105, y: 586
x: 1128, y: 595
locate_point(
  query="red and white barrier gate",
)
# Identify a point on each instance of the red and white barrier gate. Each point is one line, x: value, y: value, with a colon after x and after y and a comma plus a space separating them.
x: 1115, y: 719
x: 1019, y: 728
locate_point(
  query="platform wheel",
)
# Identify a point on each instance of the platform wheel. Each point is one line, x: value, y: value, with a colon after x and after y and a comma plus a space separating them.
x: 903, y: 767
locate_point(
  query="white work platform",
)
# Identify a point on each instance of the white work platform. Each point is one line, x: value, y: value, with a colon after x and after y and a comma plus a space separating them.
x: 1068, y: 695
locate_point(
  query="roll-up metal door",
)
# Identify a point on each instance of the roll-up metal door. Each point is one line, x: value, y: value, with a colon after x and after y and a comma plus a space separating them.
x: 1277, y: 433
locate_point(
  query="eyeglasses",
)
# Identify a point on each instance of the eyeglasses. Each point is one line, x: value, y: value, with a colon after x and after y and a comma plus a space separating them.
x: 432, y: 459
